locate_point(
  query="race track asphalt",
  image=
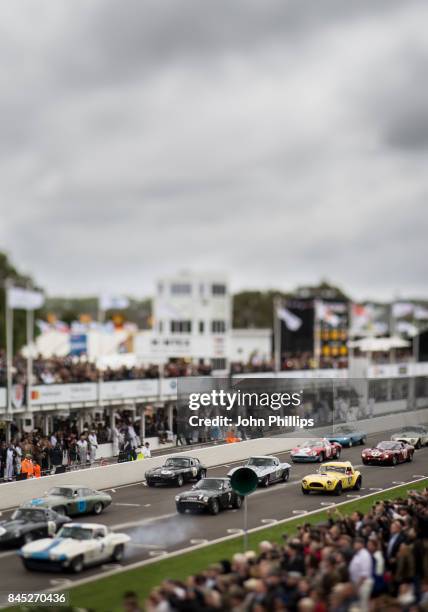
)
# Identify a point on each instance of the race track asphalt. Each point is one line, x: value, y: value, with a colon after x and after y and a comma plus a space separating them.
x: 149, y: 516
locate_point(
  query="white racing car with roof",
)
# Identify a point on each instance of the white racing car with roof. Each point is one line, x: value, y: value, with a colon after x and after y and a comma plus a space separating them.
x: 416, y: 436
x: 269, y: 469
x: 76, y: 546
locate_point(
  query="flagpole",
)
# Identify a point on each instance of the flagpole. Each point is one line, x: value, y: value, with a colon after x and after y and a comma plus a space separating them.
x: 317, y: 336
x: 277, y: 335
x: 30, y: 340
x: 101, y: 317
x: 9, y: 358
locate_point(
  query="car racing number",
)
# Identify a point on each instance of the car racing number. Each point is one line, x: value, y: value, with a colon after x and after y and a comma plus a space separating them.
x: 81, y: 505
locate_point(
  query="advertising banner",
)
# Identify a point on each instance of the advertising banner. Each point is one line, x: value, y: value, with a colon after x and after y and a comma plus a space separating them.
x: 129, y: 389
x: 63, y: 394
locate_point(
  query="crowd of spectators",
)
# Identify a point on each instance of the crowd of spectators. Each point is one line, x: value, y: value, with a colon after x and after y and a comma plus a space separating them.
x: 377, y: 562
x: 66, y: 447
x: 72, y: 369
x: 295, y: 361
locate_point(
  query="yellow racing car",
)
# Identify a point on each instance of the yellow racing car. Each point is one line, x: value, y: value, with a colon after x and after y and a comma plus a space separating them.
x: 333, y: 477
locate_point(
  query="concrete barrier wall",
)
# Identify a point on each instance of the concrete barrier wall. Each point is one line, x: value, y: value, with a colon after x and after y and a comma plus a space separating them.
x: 15, y: 493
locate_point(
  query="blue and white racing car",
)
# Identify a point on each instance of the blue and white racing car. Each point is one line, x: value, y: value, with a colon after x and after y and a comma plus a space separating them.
x: 77, y: 545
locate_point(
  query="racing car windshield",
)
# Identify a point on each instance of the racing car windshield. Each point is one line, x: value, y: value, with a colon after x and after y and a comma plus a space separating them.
x: 388, y: 445
x: 332, y: 468
x: 260, y: 461
x: 177, y: 462
x: 310, y: 443
x: 62, y: 491
x: 76, y: 533
x: 213, y: 484
x: 28, y: 515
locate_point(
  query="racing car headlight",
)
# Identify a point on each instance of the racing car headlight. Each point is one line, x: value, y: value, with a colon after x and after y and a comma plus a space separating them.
x: 205, y: 499
x: 329, y: 483
x: 177, y: 498
x: 313, y: 453
x: 304, y: 482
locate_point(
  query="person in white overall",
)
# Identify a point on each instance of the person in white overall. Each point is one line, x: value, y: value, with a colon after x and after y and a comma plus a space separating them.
x: 93, y: 445
x: 10, y: 461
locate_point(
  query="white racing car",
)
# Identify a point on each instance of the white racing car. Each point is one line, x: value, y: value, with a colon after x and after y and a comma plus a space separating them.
x: 77, y: 545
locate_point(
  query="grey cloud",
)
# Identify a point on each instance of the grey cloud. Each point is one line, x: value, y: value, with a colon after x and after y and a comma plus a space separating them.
x: 269, y: 139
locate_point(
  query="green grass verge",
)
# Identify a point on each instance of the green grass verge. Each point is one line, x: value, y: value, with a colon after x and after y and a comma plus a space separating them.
x: 104, y: 595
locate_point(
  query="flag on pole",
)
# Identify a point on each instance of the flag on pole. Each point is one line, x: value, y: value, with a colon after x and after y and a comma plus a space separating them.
x: 421, y: 313
x: 26, y: 299
x: 292, y: 321
x: 113, y: 302
x: 325, y: 312
x: 402, y: 309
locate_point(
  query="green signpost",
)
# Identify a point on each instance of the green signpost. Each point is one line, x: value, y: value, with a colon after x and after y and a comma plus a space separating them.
x: 244, y: 481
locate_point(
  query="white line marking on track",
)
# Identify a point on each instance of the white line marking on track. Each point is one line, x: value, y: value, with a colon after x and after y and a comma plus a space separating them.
x: 145, y: 546
x: 60, y: 581
x: 235, y: 531
x: 375, y: 489
x: 157, y: 553
x: 269, y: 521
x: 125, y: 504
x: 147, y: 505
x: 199, y: 541
x: 418, y: 476
x: 113, y: 490
x: 398, y: 482
x: 147, y: 521
x: 326, y: 504
x: 353, y: 495
x: 299, y: 511
x: 111, y: 566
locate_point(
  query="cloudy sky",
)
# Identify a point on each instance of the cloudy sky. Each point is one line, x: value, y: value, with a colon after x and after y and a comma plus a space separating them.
x: 281, y: 142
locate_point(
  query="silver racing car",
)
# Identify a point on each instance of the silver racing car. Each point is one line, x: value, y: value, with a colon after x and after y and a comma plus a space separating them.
x: 269, y: 469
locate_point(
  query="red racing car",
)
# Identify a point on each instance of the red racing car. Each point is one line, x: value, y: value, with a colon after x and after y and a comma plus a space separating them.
x: 388, y: 452
x: 317, y: 449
